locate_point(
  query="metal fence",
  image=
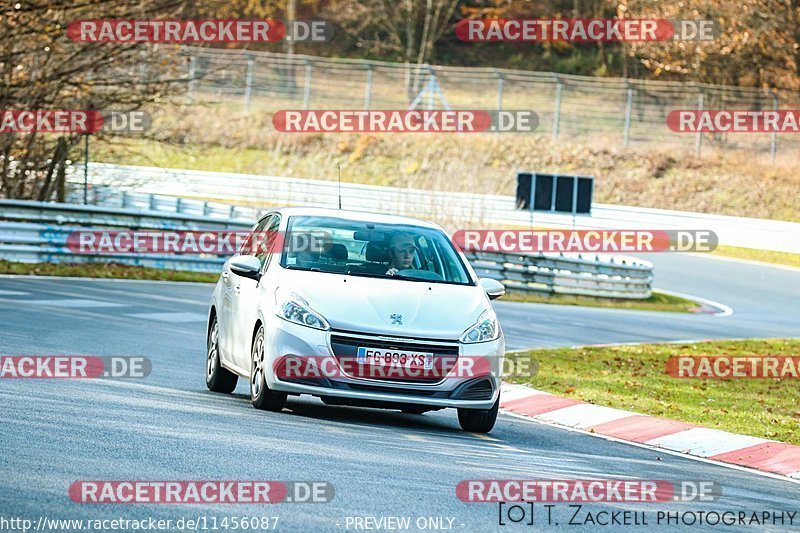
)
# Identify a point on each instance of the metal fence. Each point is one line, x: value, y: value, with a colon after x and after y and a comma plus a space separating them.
x: 619, y: 112
x: 37, y: 232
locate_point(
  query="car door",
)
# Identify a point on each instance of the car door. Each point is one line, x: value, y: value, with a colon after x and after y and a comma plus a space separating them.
x: 248, y: 293
x: 231, y: 287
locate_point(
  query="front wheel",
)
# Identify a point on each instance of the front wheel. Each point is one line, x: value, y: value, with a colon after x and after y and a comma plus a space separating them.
x: 218, y: 379
x: 478, y: 421
x: 262, y: 397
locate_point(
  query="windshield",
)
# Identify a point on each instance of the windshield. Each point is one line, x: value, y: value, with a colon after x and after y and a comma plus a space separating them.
x: 340, y: 246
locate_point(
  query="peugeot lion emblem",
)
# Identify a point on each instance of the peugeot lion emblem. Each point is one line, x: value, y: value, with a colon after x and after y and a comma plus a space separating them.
x: 396, y: 319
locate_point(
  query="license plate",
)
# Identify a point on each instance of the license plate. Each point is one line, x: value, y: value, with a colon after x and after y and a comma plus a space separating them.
x: 394, y: 358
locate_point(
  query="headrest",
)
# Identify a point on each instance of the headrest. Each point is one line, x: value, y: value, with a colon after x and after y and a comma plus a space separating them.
x: 334, y: 251
x: 376, y: 252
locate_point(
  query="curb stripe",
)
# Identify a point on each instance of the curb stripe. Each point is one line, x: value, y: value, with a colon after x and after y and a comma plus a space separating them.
x: 705, y: 442
x: 538, y: 404
x: 641, y: 428
x: 778, y: 457
x: 584, y: 415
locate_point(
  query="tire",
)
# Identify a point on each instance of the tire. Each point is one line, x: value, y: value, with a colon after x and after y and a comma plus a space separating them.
x: 478, y: 421
x: 262, y: 397
x: 218, y: 379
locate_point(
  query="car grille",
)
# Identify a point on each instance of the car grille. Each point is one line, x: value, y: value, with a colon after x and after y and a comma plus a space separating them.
x: 345, y: 346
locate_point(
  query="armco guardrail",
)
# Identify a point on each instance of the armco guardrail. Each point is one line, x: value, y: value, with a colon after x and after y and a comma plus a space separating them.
x: 458, y: 208
x: 610, y: 277
x: 37, y: 232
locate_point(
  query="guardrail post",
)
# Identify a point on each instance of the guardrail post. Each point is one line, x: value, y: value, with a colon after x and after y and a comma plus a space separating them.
x: 307, y: 87
x: 628, y: 108
x: 206, y: 209
x: 248, y: 84
x: 557, y: 110
x: 124, y: 199
x: 368, y: 89
x: 152, y: 202
x: 178, y: 205
x: 499, y: 91
x: 192, y: 67
x: 232, y: 212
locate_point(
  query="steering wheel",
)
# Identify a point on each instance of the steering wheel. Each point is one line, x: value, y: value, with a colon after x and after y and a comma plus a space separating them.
x: 420, y: 274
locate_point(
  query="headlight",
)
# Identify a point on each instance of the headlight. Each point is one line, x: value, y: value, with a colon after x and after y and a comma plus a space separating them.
x: 293, y: 308
x: 487, y: 329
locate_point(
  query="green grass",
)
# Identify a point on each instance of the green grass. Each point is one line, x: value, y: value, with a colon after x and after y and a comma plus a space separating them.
x: 103, y: 270
x: 657, y: 302
x: 766, y: 256
x: 634, y: 378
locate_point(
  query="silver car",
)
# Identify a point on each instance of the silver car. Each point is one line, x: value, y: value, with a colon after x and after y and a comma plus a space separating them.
x: 357, y: 309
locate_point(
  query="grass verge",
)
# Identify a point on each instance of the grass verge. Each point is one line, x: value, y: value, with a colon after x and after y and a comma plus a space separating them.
x: 766, y: 256
x: 634, y: 378
x: 657, y: 302
x: 103, y: 270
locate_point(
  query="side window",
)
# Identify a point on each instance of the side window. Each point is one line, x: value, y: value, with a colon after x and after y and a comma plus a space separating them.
x: 250, y: 245
x: 272, y: 241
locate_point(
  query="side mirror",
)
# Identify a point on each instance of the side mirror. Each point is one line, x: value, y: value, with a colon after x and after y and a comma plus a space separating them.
x: 494, y: 289
x: 247, y: 266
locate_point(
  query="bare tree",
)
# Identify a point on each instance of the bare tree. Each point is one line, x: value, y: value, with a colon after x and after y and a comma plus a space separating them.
x: 42, y: 69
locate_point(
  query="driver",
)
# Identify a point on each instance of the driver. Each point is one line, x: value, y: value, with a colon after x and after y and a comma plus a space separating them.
x: 401, y: 253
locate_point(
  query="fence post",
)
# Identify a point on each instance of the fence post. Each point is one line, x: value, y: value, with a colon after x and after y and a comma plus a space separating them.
x: 628, y: 108
x: 773, y: 139
x: 698, y: 142
x: 248, y: 84
x: 557, y: 110
x: 192, y: 66
x: 307, y: 88
x: 368, y: 89
x: 499, y: 91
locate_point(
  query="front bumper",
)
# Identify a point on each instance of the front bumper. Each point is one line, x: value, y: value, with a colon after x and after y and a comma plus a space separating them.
x: 284, y: 339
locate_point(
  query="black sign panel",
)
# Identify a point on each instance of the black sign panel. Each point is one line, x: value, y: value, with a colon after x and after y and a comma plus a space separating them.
x: 554, y: 192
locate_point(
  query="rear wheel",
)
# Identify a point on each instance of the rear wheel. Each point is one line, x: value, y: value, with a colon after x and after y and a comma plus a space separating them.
x: 262, y: 397
x: 218, y: 379
x: 478, y: 421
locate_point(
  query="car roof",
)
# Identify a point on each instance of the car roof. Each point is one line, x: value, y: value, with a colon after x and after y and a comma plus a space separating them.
x: 361, y: 216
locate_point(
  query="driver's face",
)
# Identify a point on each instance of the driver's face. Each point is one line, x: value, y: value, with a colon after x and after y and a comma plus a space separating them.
x: 403, y: 255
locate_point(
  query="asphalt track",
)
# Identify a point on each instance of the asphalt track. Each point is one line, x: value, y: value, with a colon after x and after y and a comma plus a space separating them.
x: 382, y: 463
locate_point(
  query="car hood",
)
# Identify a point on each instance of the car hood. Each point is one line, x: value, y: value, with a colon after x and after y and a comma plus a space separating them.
x: 354, y: 303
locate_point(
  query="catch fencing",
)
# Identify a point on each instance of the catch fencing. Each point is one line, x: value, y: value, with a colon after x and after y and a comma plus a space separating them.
x: 617, y: 112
